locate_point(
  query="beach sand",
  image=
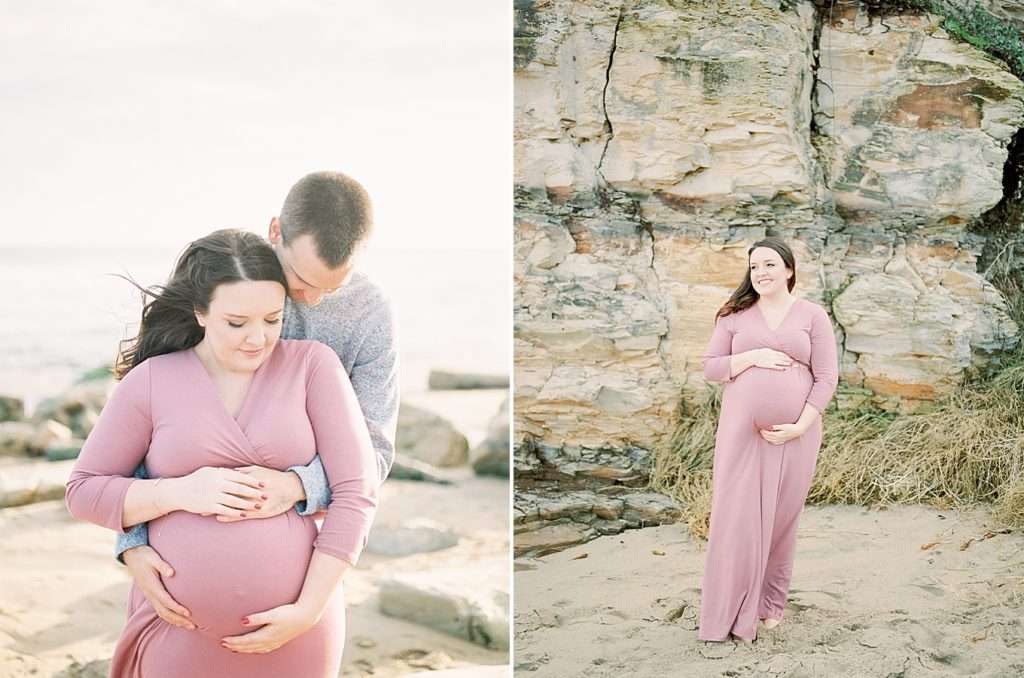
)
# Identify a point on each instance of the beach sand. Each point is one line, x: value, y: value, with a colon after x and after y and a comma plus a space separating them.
x: 63, y: 596
x: 866, y: 601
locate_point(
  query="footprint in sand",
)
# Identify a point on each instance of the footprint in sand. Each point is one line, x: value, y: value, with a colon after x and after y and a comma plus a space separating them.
x: 717, y: 650
x: 684, y: 615
x: 934, y: 590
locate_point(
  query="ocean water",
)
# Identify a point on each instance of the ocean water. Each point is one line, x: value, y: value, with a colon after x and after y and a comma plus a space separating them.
x: 64, y: 312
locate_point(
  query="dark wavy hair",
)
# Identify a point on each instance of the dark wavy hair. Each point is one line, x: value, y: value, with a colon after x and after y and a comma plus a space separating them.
x: 169, y: 319
x: 745, y: 296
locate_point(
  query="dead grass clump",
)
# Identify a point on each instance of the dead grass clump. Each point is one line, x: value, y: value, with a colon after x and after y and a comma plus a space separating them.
x: 682, y: 468
x: 1010, y: 505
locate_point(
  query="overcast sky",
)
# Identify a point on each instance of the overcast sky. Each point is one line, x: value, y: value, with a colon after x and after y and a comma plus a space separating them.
x: 152, y: 123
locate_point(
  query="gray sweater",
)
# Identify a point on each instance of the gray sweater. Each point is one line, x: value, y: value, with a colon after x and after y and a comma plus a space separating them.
x: 357, y: 322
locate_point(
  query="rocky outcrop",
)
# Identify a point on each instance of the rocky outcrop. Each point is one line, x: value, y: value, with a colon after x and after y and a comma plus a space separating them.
x: 490, y: 457
x: 417, y: 535
x: 32, y: 481
x: 913, y: 129
x: 655, y: 141
x: 441, y: 380
x: 472, y: 603
x: 548, y: 522
x: 427, y: 437
x: 11, y: 408
x: 78, y: 408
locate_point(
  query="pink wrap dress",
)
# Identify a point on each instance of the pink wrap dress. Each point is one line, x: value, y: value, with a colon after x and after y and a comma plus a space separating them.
x: 759, y: 489
x: 167, y: 411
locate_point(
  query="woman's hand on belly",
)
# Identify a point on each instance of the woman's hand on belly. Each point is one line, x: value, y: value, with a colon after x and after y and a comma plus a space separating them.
x: 280, y: 491
x: 280, y: 625
x: 783, y: 433
x: 212, y: 490
x: 770, y: 359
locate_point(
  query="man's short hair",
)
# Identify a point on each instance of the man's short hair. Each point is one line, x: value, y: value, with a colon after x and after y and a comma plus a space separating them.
x: 331, y: 207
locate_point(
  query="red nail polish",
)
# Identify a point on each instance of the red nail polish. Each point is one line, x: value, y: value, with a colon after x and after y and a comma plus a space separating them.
x: 262, y: 484
x: 245, y: 621
x: 257, y: 506
x: 263, y: 497
x: 243, y: 515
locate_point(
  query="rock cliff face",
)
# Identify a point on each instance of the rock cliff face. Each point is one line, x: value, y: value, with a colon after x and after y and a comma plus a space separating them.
x: 655, y: 140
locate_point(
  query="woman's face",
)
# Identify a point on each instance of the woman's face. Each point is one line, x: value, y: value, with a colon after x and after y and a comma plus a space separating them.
x: 243, y: 323
x: 768, y: 272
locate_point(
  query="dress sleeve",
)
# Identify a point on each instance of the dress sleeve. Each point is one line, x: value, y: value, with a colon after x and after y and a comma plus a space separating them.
x: 347, y: 453
x: 114, y: 449
x: 718, y: 357
x: 824, y: 363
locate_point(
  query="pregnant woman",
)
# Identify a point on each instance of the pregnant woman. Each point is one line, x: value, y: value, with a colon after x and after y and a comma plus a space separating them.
x: 776, y: 354
x: 206, y: 386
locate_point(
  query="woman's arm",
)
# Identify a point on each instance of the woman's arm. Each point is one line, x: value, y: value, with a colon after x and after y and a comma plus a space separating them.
x: 102, y: 487
x: 208, y: 491
x: 825, y: 373
x: 718, y: 365
x: 722, y: 365
x: 347, y: 453
x: 102, y: 474
x: 824, y: 361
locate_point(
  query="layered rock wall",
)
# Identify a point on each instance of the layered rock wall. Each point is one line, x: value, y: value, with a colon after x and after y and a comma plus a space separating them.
x: 656, y: 139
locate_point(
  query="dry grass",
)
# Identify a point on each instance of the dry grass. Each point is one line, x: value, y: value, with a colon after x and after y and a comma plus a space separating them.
x: 968, y: 449
x: 682, y: 469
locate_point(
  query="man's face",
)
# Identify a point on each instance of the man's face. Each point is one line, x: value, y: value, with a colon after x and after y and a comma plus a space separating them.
x: 309, y: 278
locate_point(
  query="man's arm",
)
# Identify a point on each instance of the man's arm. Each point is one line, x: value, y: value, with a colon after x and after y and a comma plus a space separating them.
x: 316, y: 493
x: 137, y: 535
x: 374, y: 377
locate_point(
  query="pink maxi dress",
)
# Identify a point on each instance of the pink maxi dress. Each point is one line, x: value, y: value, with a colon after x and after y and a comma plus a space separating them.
x: 759, y: 489
x: 167, y: 411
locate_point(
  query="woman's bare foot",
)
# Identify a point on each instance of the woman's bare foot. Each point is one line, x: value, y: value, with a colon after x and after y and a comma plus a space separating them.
x: 770, y: 623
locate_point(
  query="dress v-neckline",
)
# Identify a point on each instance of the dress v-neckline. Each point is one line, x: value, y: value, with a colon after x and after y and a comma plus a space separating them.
x: 782, y: 322
x: 237, y: 418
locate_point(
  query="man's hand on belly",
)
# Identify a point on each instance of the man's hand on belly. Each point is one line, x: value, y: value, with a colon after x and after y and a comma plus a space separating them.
x: 281, y: 489
x: 146, y: 567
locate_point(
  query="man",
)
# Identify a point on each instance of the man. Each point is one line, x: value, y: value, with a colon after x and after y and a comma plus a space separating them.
x: 321, y: 232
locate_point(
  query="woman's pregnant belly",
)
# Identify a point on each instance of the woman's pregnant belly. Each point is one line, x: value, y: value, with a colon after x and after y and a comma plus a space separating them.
x: 225, y: 571
x: 768, y: 397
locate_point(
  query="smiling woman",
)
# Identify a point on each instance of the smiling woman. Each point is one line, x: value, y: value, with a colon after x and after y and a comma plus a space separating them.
x: 776, y: 355
x: 198, y: 386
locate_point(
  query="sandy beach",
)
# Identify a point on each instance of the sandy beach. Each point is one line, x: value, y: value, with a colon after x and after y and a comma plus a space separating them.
x: 875, y: 593
x: 63, y: 595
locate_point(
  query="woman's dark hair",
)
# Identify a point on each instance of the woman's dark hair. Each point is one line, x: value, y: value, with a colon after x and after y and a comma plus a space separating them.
x: 169, y: 320
x: 744, y: 297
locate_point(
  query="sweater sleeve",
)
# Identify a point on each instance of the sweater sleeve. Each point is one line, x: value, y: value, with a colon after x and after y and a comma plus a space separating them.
x: 114, y: 449
x: 374, y: 378
x: 718, y: 356
x: 136, y: 535
x: 824, y: 362
x: 314, y: 483
x: 347, y: 453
